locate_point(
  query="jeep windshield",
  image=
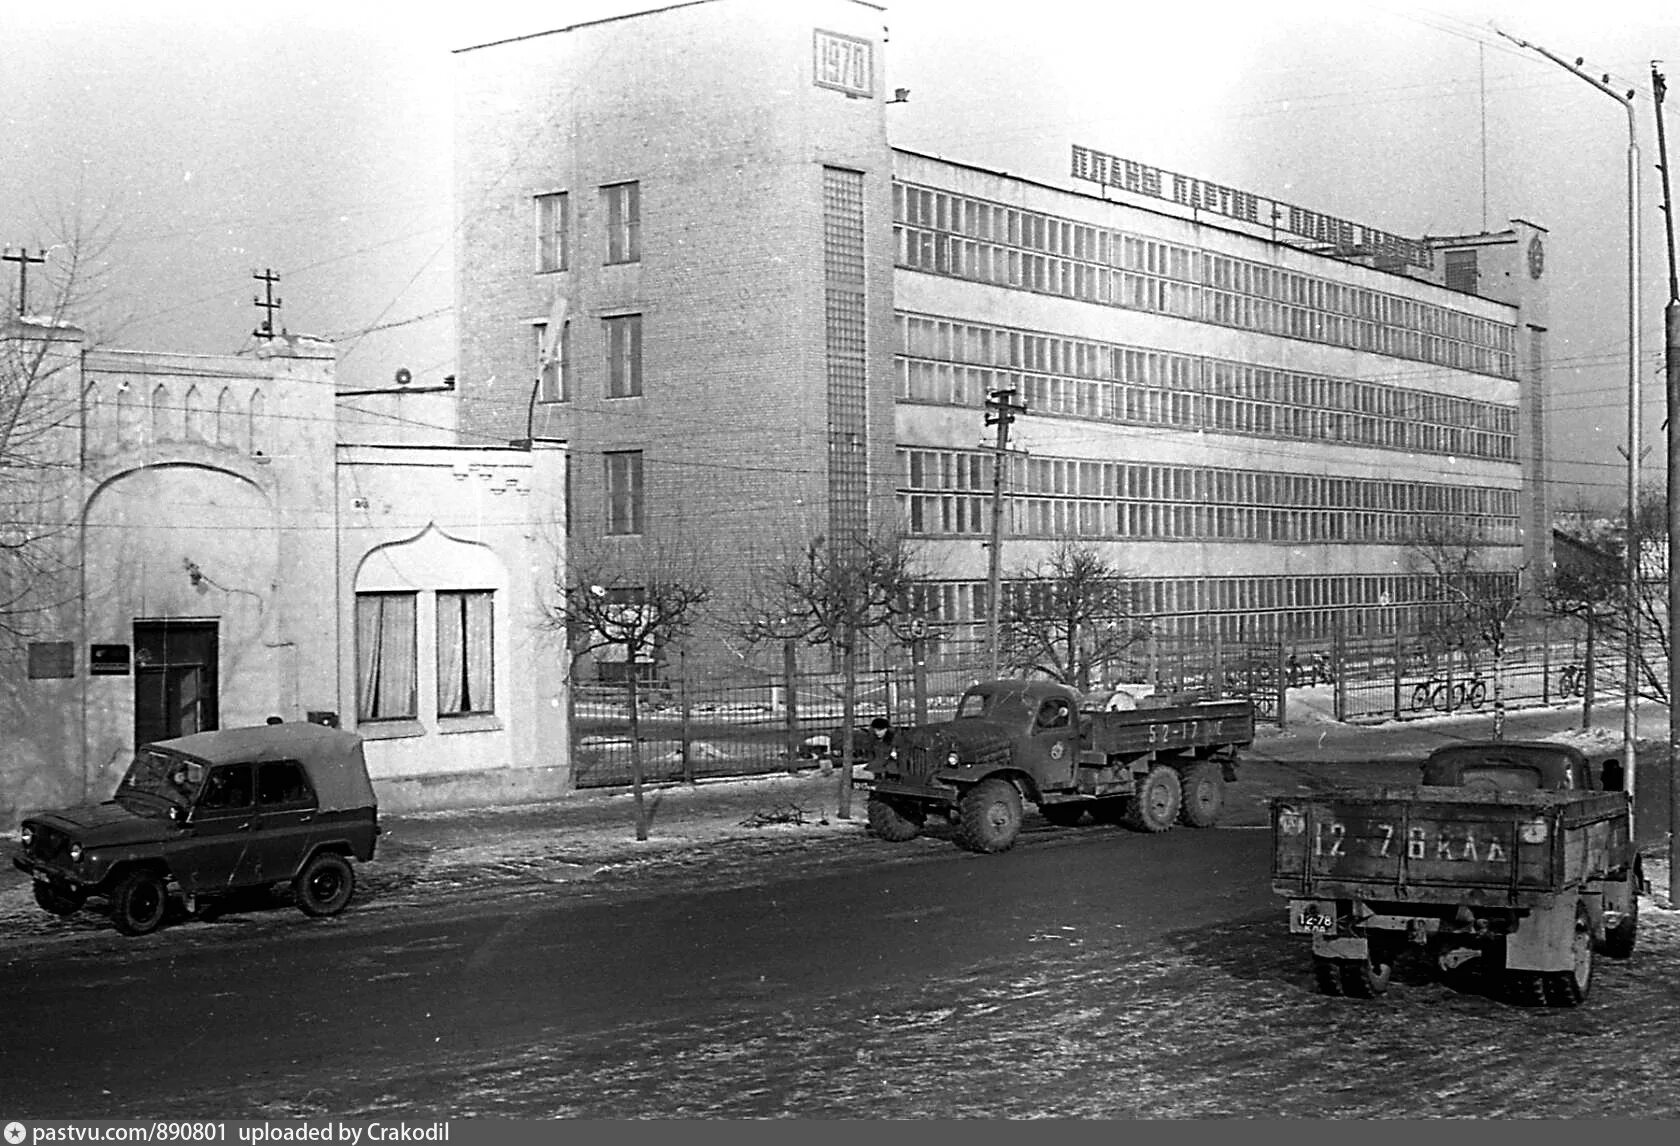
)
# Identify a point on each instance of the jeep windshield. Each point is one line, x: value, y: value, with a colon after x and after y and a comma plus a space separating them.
x: 155, y: 776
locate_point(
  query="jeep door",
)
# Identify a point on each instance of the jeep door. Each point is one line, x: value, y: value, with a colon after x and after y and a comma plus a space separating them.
x: 212, y: 853
x: 285, y: 821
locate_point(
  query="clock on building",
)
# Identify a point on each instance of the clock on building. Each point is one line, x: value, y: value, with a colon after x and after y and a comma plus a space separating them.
x: 1536, y: 257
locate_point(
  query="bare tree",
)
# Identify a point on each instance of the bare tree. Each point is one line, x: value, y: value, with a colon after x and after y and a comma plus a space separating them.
x: 1069, y: 616
x: 832, y: 592
x: 40, y: 410
x: 1475, y: 607
x: 635, y: 596
x: 1597, y: 591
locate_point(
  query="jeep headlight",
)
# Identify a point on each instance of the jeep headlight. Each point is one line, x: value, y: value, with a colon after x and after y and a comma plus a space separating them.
x: 952, y: 759
x: 27, y: 836
x: 75, y: 853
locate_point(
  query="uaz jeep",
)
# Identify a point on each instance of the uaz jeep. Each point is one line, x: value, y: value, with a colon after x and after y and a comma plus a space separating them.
x: 209, y: 814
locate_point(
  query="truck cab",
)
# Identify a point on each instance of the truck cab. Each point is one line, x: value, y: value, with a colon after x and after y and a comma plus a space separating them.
x: 1520, y: 766
x: 1039, y: 719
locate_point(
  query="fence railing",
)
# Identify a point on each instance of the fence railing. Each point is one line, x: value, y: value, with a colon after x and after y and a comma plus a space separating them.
x: 697, y: 729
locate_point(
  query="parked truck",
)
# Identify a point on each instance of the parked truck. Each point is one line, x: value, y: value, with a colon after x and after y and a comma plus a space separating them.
x: 1510, y: 859
x: 1014, y: 742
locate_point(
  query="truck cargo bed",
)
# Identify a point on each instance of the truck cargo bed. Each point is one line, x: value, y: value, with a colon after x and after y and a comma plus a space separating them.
x: 1422, y: 843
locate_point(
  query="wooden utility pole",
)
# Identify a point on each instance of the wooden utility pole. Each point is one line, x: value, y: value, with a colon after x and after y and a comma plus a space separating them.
x: 23, y: 259
x: 266, y: 302
x: 1001, y: 409
x: 1671, y: 365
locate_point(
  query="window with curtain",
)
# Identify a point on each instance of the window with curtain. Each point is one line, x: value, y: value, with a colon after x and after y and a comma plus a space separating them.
x: 464, y: 677
x: 385, y: 656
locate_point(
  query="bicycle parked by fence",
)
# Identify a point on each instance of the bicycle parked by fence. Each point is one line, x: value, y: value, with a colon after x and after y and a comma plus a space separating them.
x: 1572, y: 680
x: 1440, y: 694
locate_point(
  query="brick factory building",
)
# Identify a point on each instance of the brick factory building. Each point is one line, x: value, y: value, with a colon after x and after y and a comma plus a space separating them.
x: 691, y: 251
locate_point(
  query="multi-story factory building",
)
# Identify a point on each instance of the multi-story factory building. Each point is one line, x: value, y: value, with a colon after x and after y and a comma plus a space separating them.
x: 690, y: 249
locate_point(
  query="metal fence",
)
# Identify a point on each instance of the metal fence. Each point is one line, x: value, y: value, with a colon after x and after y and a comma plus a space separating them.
x: 700, y: 728
x: 1404, y: 680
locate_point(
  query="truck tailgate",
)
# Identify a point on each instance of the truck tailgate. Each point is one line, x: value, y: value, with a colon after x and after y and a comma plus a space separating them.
x: 1401, y: 843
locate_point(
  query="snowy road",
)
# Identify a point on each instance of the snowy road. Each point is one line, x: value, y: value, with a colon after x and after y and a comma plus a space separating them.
x: 1088, y: 973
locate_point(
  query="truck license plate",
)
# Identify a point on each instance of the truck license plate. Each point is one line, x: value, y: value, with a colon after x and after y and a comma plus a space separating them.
x: 1310, y: 919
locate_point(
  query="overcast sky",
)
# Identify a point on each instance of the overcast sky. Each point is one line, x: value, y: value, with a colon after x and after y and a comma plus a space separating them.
x: 315, y: 140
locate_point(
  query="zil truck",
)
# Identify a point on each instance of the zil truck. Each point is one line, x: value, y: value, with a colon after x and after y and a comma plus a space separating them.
x: 1018, y: 742
x: 1508, y: 866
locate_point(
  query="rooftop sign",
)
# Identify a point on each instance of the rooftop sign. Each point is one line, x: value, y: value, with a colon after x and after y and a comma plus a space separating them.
x: 1344, y: 238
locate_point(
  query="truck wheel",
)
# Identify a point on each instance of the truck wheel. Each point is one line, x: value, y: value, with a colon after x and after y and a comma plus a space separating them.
x: 325, y: 885
x: 1203, y: 795
x: 1328, y: 975
x: 893, y: 820
x: 1156, y: 804
x: 138, y: 903
x: 1063, y: 815
x: 990, y: 816
x: 1525, y: 988
x: 1569, y: 988
x: 56, y: 901
x: 1367, y: 978
x: 1619, y: 941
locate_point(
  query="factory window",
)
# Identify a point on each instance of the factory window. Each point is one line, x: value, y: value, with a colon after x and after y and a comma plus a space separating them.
x: 624, y: 491
x: 554, y: 365
x: 551, y: 232
x: 623, y: 202
x: 624, y: 356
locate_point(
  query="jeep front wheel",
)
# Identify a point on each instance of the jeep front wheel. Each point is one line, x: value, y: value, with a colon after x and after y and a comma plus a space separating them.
x: 990, y: 816
x: 138, y: 903
x: 1155, y: 805
x: 895, y: 821
x: 325, y: 885
x: 57, y: 901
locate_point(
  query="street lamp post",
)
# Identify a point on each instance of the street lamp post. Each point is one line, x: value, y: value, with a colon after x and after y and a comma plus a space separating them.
x: 1630, y: 716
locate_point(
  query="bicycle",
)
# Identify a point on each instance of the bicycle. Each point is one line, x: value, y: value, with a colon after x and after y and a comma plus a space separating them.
x: 1572, y: 680
x: 1472, y: 692
x: 1442, y: 695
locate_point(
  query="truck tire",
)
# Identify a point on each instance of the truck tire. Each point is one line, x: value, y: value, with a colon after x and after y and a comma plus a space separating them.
x: 1367, y: 978
x: 1619, y: 941
x: 1569, y: 988
x: 1327, y: 974
x: 1203, y: 786
x: 895, y: 821
x: 1063, y: 815
x: 990, y: 816
x: 1155, y: 805
x: 1525, y: 988
x: 138, y: 903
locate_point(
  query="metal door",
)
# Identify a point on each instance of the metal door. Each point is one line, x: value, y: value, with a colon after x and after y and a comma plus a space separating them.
x: 175, y: 685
